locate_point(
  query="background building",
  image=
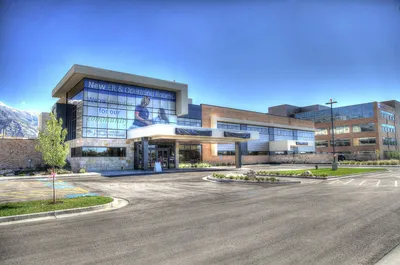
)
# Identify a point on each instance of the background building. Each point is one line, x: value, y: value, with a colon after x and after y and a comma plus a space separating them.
x: 362, y: 131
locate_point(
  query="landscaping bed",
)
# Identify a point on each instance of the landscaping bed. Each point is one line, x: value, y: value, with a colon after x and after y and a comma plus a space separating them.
x: 28, y: 207
x: 248, y: 178
x: 322, y: 173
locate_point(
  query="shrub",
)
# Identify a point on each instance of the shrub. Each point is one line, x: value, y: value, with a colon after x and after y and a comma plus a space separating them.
x: 21, y: 174
x: 223, y: 164
x: 218, y: 175
x: 82, y: 170
x: 31, y: 174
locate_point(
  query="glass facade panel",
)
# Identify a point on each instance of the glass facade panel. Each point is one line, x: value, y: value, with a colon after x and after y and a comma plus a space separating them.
x: 190, y: 153
x: 341, y: 142
x: 341, y: 113
x: 321, y: 132
x: 341, y: 129
x: 366, y: 127
x: 98, y: 151
x: 387, y: 115
x: 364, y: 141
x: 322, y: 143
x: 388, y: 128
x: 109, y: 109
x: 189, y: 122
x: 389, y: 141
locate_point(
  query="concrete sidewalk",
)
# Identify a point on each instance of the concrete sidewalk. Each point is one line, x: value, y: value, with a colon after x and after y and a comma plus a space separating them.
x: 392, y: 258
x: 120, y: 173
x: 89, y: 174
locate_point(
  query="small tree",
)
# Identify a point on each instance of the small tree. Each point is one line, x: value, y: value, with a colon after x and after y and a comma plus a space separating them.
x: 378, y: 154
x: 51, y: 143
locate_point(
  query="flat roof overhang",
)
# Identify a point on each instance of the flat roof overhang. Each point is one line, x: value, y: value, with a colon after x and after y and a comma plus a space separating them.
x: 78, y: 72
x: 167, y: 132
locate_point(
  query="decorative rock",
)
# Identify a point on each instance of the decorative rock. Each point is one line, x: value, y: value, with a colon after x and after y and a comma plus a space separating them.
x: 5, y: 171
x: 251, y: 174
x: 307, y: 173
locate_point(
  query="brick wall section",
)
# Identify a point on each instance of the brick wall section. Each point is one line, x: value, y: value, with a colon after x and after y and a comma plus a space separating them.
x: 15, y: 153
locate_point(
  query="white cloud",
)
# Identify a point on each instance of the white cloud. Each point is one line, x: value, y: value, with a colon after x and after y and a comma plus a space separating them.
x: 23, y: 103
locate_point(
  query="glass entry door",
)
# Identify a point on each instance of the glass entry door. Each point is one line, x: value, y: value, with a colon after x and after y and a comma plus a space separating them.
x: 163, y: 157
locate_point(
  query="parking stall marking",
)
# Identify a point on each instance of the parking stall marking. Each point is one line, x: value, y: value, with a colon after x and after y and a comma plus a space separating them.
x: 348, y: 182
x: 333, y: 181
x: 361, y: 182
x: 377, y: 184
x: 395, y: 183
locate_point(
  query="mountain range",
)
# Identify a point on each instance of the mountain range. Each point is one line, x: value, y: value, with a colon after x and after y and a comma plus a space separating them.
x: 18, y: 123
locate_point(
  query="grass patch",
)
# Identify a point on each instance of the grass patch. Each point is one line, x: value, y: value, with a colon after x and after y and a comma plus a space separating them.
x: 329, y: 171
x: 16, y: 208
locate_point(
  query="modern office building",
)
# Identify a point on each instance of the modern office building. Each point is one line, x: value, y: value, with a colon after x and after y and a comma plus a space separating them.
x: 124, y: 121
x: 361, y: 131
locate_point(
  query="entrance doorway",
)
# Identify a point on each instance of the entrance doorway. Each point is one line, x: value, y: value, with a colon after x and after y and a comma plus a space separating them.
x: 163, y: 152
x: 163, y: 157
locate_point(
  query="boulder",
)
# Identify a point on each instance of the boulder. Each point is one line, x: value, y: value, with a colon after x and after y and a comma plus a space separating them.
x: 5, y: 171
x: 307, y: 173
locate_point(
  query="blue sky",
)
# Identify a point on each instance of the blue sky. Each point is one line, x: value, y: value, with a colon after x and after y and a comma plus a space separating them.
x: 242, y: 54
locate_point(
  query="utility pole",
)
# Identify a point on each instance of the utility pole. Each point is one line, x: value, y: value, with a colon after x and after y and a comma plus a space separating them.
x: 334, y: 162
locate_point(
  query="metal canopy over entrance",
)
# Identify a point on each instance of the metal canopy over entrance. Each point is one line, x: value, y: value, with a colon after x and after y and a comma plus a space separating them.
x: 164, y: 134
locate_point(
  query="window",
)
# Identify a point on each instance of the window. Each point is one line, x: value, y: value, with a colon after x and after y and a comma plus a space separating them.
x: 341, y: 129
x: 98, y: 151
x: 190, y: 153
x: 189, y: 122
x: 305, y: 135
x: 259, y: 129
x: 387, y: 115
x: 366, y: 127
x: 364, y: 141
x: 388, y: 128
x: 341, y: 142
x: 228, y: 126
x: 226, y: 153
x: 321, y: 144
x: 389, y: 141
x: 321, y: 132
x: 258, y: 153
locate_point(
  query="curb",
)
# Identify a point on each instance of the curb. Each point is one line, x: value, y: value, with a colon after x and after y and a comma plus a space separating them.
x: 251, y: 182
x: 115, y: 204
x: 170, y: 172
x: 294, y: 177
x: 92, y: 174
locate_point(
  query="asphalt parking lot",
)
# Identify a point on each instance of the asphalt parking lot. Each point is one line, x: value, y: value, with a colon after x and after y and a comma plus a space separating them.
x: 182, y: 219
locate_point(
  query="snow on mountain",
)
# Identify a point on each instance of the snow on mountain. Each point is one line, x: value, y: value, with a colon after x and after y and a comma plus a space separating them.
x: 18, y: 123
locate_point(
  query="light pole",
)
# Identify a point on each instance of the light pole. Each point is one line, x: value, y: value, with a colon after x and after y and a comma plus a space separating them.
x: 334, y: 163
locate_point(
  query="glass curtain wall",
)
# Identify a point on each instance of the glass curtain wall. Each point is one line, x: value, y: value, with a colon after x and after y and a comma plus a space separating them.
x: 108, y: 110
x: 342, y: 113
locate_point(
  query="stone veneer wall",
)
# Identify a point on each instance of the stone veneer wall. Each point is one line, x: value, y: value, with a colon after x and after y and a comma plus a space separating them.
x: 15, y: 153
x: 101, y: 163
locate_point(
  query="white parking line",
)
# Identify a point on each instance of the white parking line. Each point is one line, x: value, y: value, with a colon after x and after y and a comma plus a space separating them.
x: 377, y: 184
x: 361, y: 182
x: 348, y: 182
x: 333, y: 181
x: 395, y: 183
